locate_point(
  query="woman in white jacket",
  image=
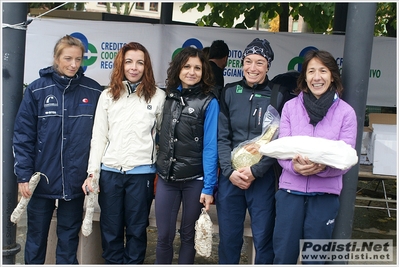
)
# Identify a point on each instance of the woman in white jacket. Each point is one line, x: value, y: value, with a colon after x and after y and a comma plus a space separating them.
x: 123, y: 154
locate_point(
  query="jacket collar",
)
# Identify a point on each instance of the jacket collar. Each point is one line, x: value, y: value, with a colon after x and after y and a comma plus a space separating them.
x: 131, y: 87
x: 256, y: 86
x: 179, y: 91
x: 63, y: 81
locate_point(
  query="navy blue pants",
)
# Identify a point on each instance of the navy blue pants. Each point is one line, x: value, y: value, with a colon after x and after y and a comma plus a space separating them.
x: 125, y: 201
x: 69, y: 222
x: 168, y: 197
x: 232, y: 204
x: 301, y: 217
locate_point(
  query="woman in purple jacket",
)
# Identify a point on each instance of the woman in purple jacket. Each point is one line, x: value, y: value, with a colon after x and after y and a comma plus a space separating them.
x: 307, y: 201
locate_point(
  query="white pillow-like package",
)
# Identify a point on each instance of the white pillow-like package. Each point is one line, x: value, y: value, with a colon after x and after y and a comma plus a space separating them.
x: 336, y: 154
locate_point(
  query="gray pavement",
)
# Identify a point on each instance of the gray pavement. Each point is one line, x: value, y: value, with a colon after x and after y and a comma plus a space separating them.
x: 368, y: 224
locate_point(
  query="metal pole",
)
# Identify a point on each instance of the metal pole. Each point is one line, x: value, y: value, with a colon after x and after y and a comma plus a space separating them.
x: 166, y: 13
x: 355, y: 75
x: 340, y: 15
x: 14, y: 37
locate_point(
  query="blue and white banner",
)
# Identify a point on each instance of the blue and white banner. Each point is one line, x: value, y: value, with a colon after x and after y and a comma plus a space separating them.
x: 104, y: 38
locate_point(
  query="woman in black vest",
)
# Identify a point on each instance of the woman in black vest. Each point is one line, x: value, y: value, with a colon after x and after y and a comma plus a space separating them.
x: 187, y: 160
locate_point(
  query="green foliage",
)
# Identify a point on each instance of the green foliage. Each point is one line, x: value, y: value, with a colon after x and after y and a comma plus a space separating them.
x: 118, y: 7
x: 48, y: 5
x: 108, y: 6
x: 225, y: 14
x: 128, y: 8
x: 385, y: 20
x: 80, y: 6
x: 318, y: 16
x: 124, y: 8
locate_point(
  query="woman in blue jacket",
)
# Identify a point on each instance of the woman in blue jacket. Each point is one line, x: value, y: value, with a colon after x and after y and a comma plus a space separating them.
x: 52, y: 135
x: 187, y: 160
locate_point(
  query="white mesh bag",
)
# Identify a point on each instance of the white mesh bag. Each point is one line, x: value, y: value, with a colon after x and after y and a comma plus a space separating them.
x: 203, y: 234
x: 23, y: 202
x: 90, y: 201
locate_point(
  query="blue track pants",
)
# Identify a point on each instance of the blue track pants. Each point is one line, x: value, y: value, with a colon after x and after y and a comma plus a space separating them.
x: 301, y: 217
x: 232, y: 204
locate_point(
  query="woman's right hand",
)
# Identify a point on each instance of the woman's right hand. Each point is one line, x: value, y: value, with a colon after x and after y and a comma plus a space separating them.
x: 305, y: 167
x: 24, y: 190
x: 240, y: 180
x: 206, y: 200
x: 86, y: 187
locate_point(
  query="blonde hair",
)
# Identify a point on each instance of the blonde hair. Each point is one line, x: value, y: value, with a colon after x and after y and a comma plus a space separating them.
x: 64, y: 42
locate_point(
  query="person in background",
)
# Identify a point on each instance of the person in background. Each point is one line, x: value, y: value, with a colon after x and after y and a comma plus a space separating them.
x: 187, y: 160
x: 307, y: 201
x: 123, y: 153
x: 52, y: 134
x: 218, y: 54
x: 242, y: 106
x: 206, y: 51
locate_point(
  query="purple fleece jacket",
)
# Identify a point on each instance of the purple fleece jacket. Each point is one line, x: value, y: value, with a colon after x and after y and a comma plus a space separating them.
x: 340, y: 123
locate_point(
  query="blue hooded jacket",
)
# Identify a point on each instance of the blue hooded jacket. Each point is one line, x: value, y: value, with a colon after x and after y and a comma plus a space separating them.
x: 52, y: 132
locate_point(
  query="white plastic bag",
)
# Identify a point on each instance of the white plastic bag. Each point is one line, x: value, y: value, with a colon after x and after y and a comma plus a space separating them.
x: 203, y: 234
x: 247, y: 153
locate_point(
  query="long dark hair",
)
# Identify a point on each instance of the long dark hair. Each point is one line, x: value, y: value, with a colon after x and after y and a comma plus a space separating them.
x: 327, y: 60
x: 178, y: 63
x: 147, y: 86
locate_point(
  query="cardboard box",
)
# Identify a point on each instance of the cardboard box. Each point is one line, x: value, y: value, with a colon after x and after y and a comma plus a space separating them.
x: 382, y: 150
x: 381, y: 118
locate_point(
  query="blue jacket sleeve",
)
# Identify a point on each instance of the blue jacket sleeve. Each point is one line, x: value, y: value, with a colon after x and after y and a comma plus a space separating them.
x: 24, y: 138
x: 210, y: 152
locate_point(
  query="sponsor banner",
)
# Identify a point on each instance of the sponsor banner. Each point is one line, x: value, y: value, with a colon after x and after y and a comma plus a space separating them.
x: 104, y: 38
x: 364, y: 250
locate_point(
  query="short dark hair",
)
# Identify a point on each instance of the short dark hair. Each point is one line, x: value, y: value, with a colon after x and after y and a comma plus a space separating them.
x: 327, y: 60
x: 219, y: 49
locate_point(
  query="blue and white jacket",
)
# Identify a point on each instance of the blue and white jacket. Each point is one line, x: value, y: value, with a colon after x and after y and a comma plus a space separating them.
x: 53, y: 130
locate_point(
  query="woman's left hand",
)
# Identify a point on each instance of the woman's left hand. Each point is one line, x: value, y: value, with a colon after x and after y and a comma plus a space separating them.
x: 206, y: 200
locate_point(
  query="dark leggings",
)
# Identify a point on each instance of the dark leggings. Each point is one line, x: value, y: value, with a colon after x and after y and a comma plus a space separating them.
x: 168, y: 197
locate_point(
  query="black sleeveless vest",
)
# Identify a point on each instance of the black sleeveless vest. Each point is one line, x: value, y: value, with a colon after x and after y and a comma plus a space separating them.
x: 182, y: 134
